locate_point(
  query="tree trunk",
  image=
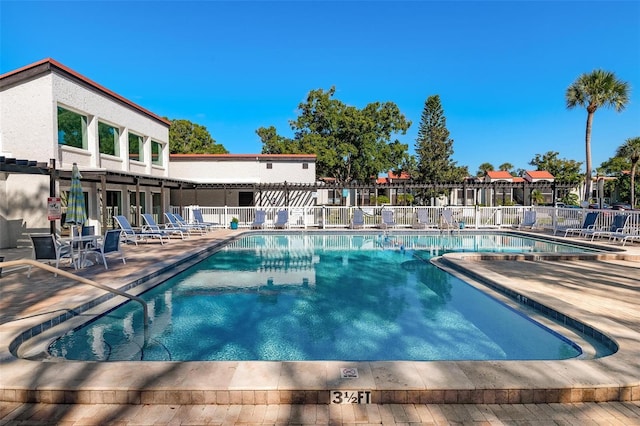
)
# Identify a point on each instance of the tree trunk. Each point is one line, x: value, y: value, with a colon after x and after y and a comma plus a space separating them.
x: 587, y: 145
x: 633, y: 185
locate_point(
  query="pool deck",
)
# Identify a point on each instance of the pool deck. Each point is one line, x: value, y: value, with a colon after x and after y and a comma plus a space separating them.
x: 600, y: 292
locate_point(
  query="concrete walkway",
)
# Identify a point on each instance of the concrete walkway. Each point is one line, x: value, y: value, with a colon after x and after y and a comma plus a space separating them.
x: 600, y: 293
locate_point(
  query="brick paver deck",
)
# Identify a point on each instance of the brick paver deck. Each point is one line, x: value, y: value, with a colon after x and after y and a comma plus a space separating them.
x: 601, y: 293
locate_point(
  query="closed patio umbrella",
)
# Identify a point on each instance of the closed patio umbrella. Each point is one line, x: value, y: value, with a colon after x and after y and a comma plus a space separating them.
x: 76, y: 214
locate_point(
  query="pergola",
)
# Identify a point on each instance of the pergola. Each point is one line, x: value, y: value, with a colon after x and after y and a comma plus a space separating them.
x: 104, y: 177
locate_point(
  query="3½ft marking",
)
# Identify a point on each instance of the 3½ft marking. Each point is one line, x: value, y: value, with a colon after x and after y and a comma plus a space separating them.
x: 351, y: 397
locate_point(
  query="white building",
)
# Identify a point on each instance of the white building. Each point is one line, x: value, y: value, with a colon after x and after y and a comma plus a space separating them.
x: 244, y: 179
x: 53, y: 116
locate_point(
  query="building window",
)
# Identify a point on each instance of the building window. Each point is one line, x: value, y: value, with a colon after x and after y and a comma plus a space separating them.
x: 305, y: 166
x: 136, y: 147
x: 72, y: 129
x: 156, y: 153
x: 108, y: 137
x: 269, y: 165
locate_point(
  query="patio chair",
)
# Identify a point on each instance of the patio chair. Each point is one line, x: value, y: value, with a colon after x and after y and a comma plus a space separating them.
x: 46, y: 247
x: 176, y: 222
x: 631, y: 235
x: 258, y: 222
x: 358, y: 219
x: 588, y: 223
x: 447, y: 221
x: 529, y: 220
x: 197, y: 216
x: 131, y: 235
x: 110, y: 244
x: 617, y: 226
x: 387, y: 219
x: 282, y: 219
x: 151, y: 225
x: 422, y: 220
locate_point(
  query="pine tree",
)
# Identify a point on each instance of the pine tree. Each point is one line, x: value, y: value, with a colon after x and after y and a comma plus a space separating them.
x: 434, y: 148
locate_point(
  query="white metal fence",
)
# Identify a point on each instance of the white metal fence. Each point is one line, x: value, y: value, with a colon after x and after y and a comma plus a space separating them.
x: 476, y: 217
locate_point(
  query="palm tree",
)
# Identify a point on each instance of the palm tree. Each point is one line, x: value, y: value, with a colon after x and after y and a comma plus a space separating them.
x: 592, y: 91
x: 631, y: 149
x: 484, y: 168
x: 506, y: 167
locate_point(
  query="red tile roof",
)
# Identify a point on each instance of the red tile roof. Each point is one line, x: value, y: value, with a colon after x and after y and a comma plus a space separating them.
x: 403, y: 175
x: 539, y: 174
x: 499, y: 174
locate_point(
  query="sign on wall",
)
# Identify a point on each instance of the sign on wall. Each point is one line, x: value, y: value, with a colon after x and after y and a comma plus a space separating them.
x: 54, y: 208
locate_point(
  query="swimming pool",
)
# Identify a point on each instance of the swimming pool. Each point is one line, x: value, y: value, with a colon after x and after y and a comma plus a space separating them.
x: 324, y: 297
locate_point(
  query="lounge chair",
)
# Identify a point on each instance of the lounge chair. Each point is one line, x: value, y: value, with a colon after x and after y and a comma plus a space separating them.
x: 588, y: 223
x: 195, y: 225
x: 422, y: 220
x: 529, y: 220
x: 178, y: 222
x: 617, y: 226
x: 632, y: 235
x: 447, y: 220
x: 152, y: 226
x: 258, y: 222
x: 131, y: 235
x: 357, y: 221
x: 387, y: 219
x: 46, y: 247
x: 282, y: 219
x: 110, y: 244
x: 197, y: 216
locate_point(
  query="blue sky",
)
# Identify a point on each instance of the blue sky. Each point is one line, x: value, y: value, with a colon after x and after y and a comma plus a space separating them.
x: 501, y: 68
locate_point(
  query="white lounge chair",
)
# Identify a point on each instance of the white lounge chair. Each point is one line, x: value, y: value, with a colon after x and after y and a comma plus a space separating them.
x: 357, y: 221
x: 617, y: 226
x: 197, y: 216
x: 258, y: 222
x: 447, y: 221
x: 177, y: 222
x: 131, y: 235
x: 588, y: 223
x: 387, y: 221
x: 529, y: 220
x: 422, y: 220
x: 151, y: 225
x: 282, y: 219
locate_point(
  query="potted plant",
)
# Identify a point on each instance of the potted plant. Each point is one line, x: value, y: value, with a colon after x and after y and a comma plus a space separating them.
x: 234, y: 223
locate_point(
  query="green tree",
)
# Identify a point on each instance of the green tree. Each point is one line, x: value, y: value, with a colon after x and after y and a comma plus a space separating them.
x: 563, y: 170
x: 592, y: 91
x: 537, y: 197
x: 351, y: 144
x: 434, y: 148
x: 272, y: 143
x: 506, y: 167
x: 186, y: 137
x: 484, y: 168
x: 630, y: 150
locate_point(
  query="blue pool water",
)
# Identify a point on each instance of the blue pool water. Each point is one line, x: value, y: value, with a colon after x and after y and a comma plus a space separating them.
x: 323, y: 297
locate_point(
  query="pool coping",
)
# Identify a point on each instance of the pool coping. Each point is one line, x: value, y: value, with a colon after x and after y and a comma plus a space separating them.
x: 612, y: 378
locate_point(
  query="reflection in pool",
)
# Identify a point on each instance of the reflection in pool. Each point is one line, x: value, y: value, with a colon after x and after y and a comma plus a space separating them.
x: 324, y: 297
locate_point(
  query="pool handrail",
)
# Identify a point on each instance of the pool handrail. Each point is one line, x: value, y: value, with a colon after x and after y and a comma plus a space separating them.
x: 49, y: 268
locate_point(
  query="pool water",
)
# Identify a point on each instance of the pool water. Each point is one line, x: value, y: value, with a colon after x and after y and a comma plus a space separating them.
x: 321, y: 297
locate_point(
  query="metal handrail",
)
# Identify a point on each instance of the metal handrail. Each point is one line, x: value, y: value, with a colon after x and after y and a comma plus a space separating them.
x: 31, y: 262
